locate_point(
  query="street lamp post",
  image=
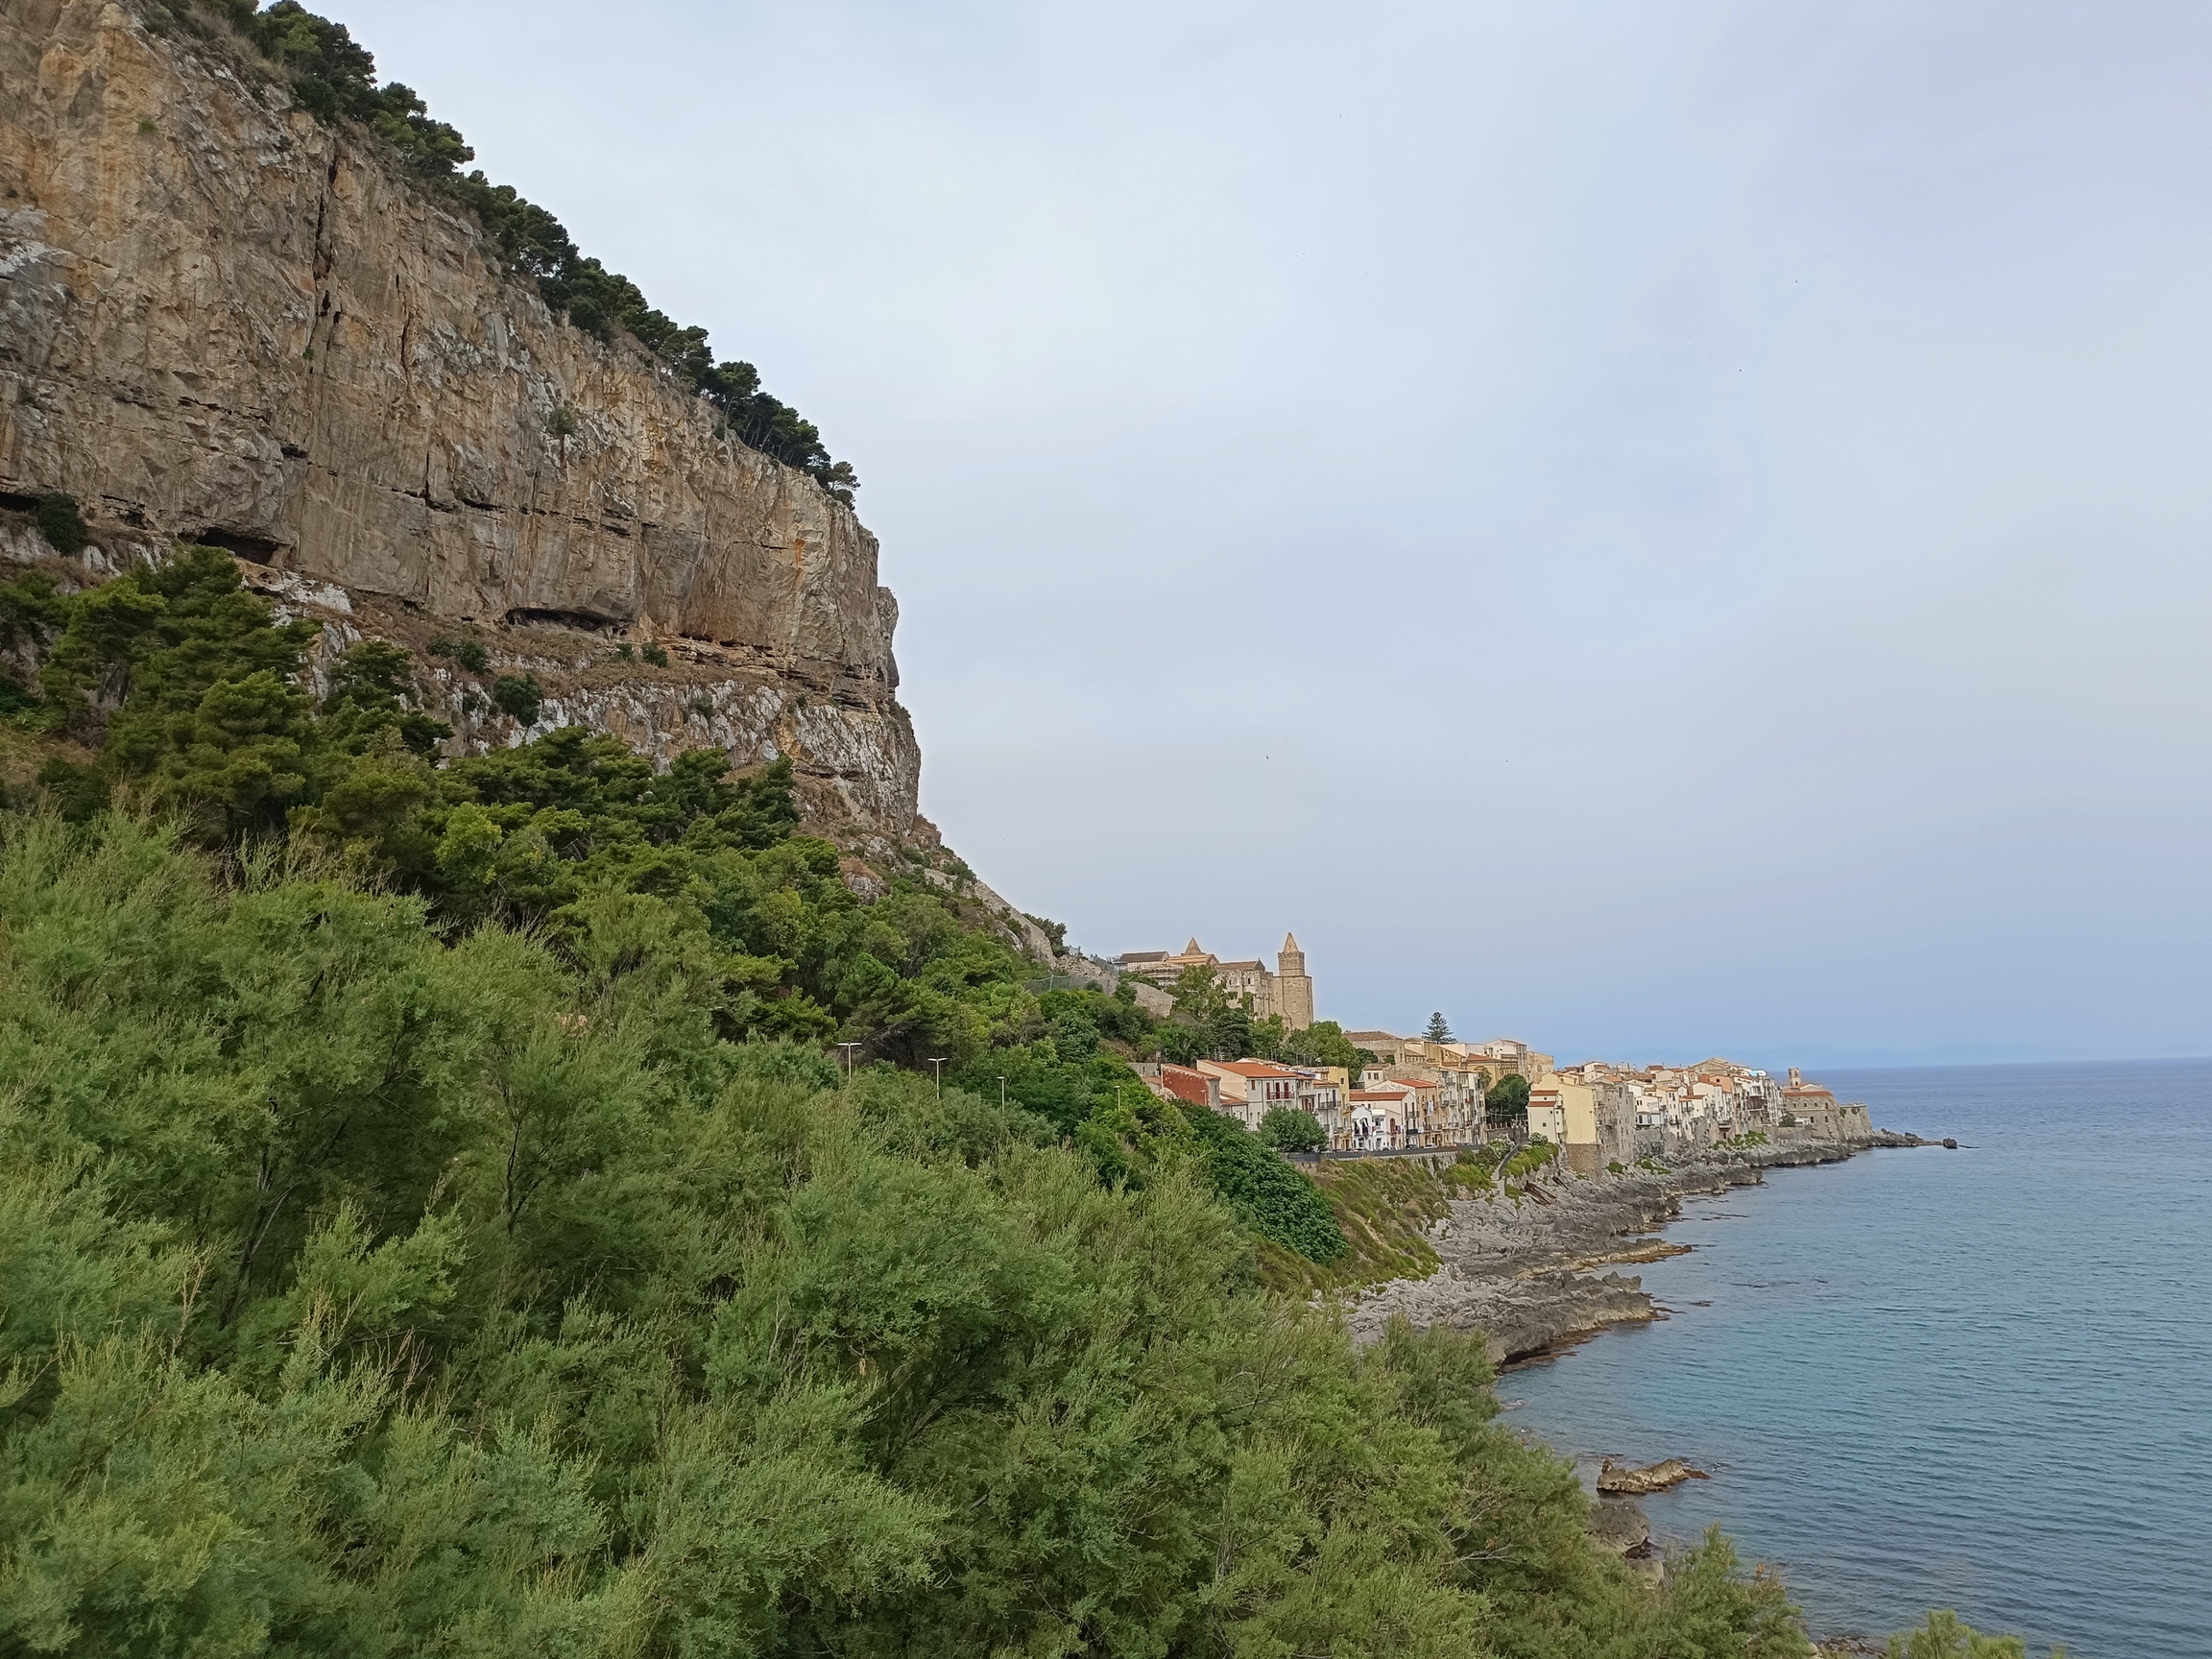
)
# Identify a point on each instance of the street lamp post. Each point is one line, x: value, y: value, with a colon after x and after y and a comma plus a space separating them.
x: 1001, y: 1093
x: 938, y: 1060
x: 848, y: 1047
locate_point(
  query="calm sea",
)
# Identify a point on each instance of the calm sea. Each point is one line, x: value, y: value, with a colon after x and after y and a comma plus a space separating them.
x: 1979, y: 1379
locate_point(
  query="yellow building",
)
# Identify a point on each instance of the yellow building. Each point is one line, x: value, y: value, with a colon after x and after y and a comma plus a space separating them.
x: 1573, y: 1107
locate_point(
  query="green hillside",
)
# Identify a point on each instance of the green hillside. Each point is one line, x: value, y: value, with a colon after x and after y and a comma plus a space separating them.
x: 431, y: 1222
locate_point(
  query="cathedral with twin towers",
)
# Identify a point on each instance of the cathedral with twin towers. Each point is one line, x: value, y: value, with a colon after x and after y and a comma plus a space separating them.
x: 1288, y: 990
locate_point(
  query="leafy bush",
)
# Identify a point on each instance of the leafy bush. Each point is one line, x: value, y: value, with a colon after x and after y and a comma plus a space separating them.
x: 1942, y: 1636
x: 1287, y: 1129
x: 1505, y: 1101
x: 519, y: 695
x: 1274, y: 1200
x: 655, y: 655
x: 469, y: 653
x: 374, y: 1289
x: 62, y: 524
x: 1471, y: 1170
x: 1530, y: 1158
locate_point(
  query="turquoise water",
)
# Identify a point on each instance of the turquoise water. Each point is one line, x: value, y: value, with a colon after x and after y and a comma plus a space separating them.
x: 1979, y: 1378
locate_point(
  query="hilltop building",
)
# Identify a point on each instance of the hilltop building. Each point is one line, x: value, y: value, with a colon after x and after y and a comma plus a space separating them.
x: 1490, y: 1061
x: 1287, y: 992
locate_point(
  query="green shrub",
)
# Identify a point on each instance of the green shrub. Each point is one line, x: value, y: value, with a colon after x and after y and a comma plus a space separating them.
x: 1942, y: 1636
x: 78, y: 793
x: 656, y: 656
x: 472, y: 656
x: 62, y: 524
x: 1287, y: 1129
x: 1273, y: 1199
x: 374, y: 1287
x: 519, y: 695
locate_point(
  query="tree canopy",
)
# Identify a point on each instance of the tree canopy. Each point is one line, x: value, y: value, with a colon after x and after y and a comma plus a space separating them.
x: 383, y: 1286
x: 1506, y: 1100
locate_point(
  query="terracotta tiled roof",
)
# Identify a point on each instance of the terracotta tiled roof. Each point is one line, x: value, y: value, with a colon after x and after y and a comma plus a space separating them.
x: 1255, y: 1068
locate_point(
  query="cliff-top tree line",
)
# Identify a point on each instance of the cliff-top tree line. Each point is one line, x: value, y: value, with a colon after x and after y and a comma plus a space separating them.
x: 334, y: 78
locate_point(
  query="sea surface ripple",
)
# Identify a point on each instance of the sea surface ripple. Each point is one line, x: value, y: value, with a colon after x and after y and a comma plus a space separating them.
x: 1979, y: 1379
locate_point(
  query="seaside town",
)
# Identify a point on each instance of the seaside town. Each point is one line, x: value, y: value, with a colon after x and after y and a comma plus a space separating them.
x: 1434, y: 1093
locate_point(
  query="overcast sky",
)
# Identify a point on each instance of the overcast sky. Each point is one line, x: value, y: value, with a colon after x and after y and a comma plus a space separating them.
x: 1657, y: 528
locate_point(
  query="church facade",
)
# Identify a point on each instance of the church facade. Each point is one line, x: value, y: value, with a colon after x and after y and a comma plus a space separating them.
x: 1288, y: 990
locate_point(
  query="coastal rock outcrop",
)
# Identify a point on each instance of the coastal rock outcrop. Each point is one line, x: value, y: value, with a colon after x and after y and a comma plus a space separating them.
x: 1620, y: 1526
x: 1523, y: 1273
x: 1629, y: 1480
x: 225, y: 322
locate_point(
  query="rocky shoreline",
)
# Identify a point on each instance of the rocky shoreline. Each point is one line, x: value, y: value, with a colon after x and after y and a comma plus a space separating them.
x: 1523, y: 1267
x: 1526, y: 1274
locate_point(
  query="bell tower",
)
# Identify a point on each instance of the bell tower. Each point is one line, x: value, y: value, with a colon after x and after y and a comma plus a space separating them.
x: 1293, y: 986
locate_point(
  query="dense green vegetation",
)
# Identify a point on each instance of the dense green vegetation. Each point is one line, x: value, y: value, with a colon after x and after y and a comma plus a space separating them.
x: 213, y: 727
x: 431, y: 1223
x: 335, y: 78
x: 1287, y: 1129
x: 376, y: 1288
x: 61, y: 522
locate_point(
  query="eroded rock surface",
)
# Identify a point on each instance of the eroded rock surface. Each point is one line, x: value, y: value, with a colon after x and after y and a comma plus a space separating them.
x: 224, y: 322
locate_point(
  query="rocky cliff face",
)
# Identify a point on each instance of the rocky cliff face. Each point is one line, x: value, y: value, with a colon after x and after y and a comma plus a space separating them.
x: 224, y: 322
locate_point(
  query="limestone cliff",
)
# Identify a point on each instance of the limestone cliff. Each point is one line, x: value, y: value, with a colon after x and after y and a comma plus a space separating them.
x: 225, y: 322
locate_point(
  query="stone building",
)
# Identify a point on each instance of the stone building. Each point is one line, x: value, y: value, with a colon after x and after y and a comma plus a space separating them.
x: 1287, y: 992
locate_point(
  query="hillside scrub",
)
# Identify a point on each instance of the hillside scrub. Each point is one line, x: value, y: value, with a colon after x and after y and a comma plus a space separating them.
x: 382, y: 1286
x: 1942, y: 1636
x: 193, y: 694
x: 1383, y: 1207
